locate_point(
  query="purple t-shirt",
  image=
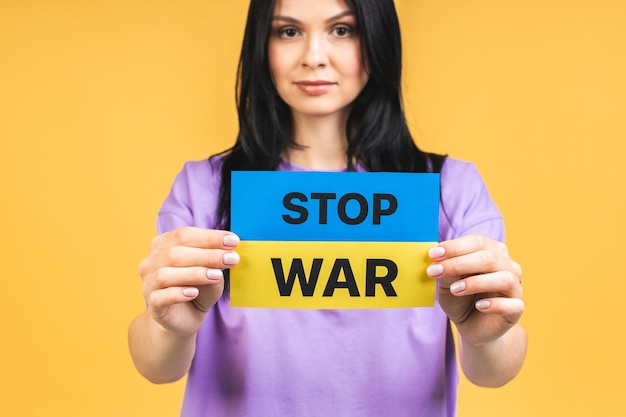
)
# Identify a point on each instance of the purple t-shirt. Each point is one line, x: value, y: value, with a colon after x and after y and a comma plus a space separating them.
x: 257, y: 362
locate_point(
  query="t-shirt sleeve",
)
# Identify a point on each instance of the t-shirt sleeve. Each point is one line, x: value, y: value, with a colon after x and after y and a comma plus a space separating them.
x: 176, y: 210
x: 466, y: 205
x: 192, y: 200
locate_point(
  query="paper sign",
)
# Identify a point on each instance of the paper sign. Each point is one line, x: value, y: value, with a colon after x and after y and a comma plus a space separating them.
x: 333, y: 240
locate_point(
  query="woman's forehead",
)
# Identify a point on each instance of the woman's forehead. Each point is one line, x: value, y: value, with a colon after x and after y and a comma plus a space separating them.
x: 310, y: 8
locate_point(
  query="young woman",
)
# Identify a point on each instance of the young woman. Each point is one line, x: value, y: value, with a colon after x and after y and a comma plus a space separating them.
x: 319, y: 89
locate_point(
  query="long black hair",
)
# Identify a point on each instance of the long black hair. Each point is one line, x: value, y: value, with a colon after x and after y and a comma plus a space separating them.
x: 377, y: 131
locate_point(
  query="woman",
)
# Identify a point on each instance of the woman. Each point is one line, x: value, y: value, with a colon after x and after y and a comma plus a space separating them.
x: 319, y: 89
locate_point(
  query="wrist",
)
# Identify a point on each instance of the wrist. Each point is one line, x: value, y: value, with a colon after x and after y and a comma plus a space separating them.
x: 494, y: 363
x: 162, y: 332
x: 160, y: 355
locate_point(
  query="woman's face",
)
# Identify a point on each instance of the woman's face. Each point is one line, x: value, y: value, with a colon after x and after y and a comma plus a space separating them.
x: 315, y: 56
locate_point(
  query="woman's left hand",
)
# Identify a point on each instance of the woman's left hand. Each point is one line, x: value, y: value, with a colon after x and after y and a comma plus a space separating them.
x: 479, y: 286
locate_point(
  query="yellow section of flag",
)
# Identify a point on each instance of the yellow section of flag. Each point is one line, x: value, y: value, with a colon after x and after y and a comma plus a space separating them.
x: 332, y: 275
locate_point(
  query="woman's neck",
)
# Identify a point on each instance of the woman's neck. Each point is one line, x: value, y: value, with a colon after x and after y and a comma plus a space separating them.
x: 323, y: 141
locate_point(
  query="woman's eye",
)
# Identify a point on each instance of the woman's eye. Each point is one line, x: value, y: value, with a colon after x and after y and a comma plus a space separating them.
x: 287, y: 32
x: 343, y: 31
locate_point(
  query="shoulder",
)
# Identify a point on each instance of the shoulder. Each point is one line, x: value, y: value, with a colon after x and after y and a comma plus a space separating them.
x: 197, y: 178
x: 202, y: 171
x: 193, y: 196
x: 459, y: 178
x: 466, y: 205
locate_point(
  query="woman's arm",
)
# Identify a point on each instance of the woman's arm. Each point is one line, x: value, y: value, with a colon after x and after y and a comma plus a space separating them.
x: 495, y: 363
x: 182, y: 279
x: 480, y: 291
x: 159, y: 355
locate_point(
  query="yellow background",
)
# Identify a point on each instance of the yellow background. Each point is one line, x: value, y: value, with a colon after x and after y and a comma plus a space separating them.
x: 102, y: 101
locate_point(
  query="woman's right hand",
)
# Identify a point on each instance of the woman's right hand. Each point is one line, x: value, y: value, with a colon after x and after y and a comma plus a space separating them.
x: 183, y: 275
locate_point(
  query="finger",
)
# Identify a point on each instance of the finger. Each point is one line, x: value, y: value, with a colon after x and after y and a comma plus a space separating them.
x: 466, y: 245
x: 180, y: 277
x: 197, y: 238
x: 483, y: 261
x: 511, y: 309
x: 159, y: 301
x: 503, y: 282
x: 184, y: 256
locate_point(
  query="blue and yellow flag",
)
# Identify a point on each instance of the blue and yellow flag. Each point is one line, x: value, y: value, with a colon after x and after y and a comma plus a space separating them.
x: 333, y: 240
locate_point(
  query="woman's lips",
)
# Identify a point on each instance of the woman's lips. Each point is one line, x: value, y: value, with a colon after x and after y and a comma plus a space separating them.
x: 315, y: 88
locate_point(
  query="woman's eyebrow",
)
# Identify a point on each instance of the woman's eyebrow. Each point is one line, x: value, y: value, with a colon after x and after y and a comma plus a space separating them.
x: 289, y: 19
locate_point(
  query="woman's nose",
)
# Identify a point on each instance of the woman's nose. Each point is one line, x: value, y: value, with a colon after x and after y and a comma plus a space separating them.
x: 315, y: 54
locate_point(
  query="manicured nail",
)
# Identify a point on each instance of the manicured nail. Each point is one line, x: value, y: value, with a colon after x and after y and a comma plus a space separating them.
x: 230, y: 240
x: 191, y: 292
x: 230, y: 258
x: 483, y: 304
x: 434, y: 270
x: 214, y: 274
x: 436, y: 252
x: 458, y: 286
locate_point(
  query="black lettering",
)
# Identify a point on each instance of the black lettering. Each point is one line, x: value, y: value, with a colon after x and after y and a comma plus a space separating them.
x: 341, y: 209
x: 323, y: 198
x: 371, y: 279
x: 333, y: 279
x: 378, y: 211
x: 304, y: 214
x: 285, y: 286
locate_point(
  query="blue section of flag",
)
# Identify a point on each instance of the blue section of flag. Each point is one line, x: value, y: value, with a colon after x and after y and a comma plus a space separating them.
x: 335, y: 206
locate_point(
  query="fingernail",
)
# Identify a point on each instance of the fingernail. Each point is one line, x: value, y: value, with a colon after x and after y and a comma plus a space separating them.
x: 458, y: 286
x: 483, y: 304
x: 436, y: 252
x: 214, y: 274
x: 230, y: 258
x: 191, y: 292
x: 434, y: 270
x: 230, y: 240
